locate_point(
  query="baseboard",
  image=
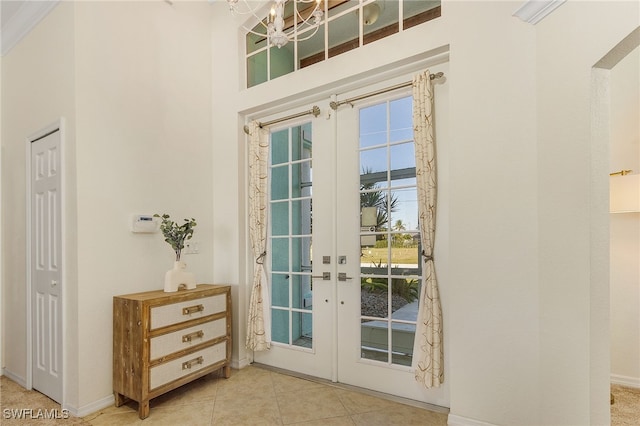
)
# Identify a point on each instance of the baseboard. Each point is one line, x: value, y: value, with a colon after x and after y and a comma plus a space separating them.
x: 631, y: 382
x: 238, y: 364
x: 19, y: 380
x: 454, y: 420
x: 85, y: 410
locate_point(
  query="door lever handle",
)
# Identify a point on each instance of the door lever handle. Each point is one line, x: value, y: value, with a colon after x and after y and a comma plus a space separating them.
x: 342, y: 276
x: 325, y: 276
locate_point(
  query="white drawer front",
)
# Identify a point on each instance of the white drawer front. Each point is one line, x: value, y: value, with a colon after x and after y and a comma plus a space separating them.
x: 185, y: 338
x: 162, y: 316
x: 165, y: 373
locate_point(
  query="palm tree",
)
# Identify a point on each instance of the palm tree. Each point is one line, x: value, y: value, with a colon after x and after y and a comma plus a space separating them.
x: 379, y: 199
x: 399, y: 225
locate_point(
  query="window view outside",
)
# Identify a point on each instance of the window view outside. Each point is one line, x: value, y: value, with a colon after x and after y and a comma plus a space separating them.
x: 389, y: 235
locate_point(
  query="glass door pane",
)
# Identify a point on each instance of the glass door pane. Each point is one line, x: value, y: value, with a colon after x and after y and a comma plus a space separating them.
x: 390, y: 270
x: 290, y: 248
x: 300, y: 227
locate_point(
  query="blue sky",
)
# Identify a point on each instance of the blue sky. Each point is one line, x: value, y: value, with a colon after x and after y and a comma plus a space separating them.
x: 386, y: 140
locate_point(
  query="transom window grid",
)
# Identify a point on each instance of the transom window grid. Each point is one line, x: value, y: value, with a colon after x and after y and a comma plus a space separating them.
x: 346, y: 25
x: 290, y: 236
x: 390, y: 249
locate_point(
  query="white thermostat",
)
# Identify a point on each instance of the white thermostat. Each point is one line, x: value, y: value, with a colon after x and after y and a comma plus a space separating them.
x: 145, y: 224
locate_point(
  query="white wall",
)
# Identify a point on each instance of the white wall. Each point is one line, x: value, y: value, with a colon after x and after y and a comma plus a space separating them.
x: 528, y: 323
x: 37, y: 89
x: 137, y: 80
x: 229, y: 156
x: 143, y: 146
x: 625, y: 228
x: 494, y: 230
x: 573, y: 212
x: 1, y: 239
x: 527, y: 328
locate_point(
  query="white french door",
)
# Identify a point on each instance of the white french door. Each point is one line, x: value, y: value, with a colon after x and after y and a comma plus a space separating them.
x: 46, y: 265
x: 301, y: 172
x: 378, y: 233
x: 343, y: 253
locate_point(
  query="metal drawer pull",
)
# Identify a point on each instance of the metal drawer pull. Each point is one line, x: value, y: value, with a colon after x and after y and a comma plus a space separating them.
x: 187, y: 364
x: 195, y: 335
x: 192, y: 309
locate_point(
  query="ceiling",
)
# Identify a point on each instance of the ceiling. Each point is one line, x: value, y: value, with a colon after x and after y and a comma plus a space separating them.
x: 18, y: 17
x: 9, y: 8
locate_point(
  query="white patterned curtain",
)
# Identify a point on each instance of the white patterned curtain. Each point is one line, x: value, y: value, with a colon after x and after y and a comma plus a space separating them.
x: 258, y: 323
x: 430, y: 354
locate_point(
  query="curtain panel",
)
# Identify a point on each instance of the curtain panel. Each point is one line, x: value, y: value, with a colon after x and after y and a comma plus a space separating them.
x: 258, y: 322
x: 430, y: 355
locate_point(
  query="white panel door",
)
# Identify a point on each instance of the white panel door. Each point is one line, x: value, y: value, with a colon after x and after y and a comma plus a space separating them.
x: 46, y: 267
x: 378, y: 233
x: 378, y: 242
x: 299, y: 248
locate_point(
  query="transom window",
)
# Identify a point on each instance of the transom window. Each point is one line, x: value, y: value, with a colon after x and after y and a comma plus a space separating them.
x: 348, y: 24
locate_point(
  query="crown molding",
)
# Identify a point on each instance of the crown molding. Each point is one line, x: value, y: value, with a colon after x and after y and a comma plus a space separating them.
x: 534, y: 11
x: 24, y: 20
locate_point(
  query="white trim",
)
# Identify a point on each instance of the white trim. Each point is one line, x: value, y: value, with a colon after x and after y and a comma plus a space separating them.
x: 90, y: 408
x: 534, y: 11
x: 630, y: 382
x: 239, y: 364
x: 23, y: 21
x: 58, y: 125
x: 454, y: 420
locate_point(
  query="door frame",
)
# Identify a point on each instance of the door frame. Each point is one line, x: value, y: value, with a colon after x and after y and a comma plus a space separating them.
x: 58, y: 125
x: 374, y: 79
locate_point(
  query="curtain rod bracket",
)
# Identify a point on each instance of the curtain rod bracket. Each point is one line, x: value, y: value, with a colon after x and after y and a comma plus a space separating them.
x: 621, y: 173
x: 315, y: 111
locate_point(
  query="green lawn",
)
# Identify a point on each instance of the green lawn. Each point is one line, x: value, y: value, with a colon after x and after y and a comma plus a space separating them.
x: 408, y: 255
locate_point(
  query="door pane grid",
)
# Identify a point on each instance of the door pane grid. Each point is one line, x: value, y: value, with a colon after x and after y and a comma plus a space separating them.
x: 390, y: 239
x: 290, y: 212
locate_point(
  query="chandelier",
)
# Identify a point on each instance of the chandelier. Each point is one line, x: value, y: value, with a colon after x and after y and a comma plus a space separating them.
x: 278, y: 29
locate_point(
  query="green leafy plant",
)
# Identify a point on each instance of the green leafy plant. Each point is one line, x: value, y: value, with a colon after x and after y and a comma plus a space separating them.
x: 176, y: 234
x: 407, y: 288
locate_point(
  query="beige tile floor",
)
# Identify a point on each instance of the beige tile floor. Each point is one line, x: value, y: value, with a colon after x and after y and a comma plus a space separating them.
x: 251, y: 396
x: 258, y: 396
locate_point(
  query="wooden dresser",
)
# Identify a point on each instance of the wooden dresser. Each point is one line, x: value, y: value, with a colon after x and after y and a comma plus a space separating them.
x: 164, y: 340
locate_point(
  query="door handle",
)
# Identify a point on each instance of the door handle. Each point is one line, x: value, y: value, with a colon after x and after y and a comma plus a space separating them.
x: 325, y: 276
x: 54, y: 283
x: 342, y: 276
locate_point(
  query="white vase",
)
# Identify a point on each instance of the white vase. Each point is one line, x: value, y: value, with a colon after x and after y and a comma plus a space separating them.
x: 177, y: 277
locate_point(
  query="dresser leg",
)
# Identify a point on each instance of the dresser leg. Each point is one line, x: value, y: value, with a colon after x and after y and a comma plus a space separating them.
x: 120, y: 399
x: 227, y: 371
x: 143, y: 409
